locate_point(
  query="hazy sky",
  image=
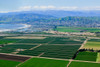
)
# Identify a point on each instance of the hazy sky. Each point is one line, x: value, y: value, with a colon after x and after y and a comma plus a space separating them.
x: 24, y: 5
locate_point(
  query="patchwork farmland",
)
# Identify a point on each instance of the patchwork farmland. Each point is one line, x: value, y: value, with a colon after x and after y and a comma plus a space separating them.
x: 15, y: 48
x: 75, y: 29
x: 44, y: 51
x: 93, y: 44
x: 84, y: 64
x: 8, y: 63
x: 87, y: 56
x: 42, y: 62
x: 53, y: 51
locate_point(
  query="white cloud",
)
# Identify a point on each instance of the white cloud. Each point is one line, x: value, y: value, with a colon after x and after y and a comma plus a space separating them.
x: 4, y: 11
x: 91, y: 8
x: 68, y: 8
x: 25, y: 8
x: 36, y: 7
x: 51, y: 7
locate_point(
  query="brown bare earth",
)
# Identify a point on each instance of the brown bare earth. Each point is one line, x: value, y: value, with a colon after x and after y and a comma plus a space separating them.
x: 13, y: 57
x: 25, y: 37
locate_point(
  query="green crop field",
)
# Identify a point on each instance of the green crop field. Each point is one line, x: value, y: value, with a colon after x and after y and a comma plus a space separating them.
x: 8, y: 63
x: 6, y: 41
x: 13, y: 47
x: 86, y: 56
x: 77, y: 29
x: 93, y: 44
x: 1, y: 37
x: 62, y: 40
x: 66, y: 29
x: 53, y: 51
x: 94, y: 40
x: 41, y: 62
x: 37, y: 41
x: 84, y: 64
x: 98, y: 58
x: 54, y: 40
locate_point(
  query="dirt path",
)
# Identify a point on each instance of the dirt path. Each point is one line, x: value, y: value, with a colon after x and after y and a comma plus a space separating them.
x: 70, y: 60
x: 15, y: 42
x: 83, y: 44
x: 17, y: 55
x: 22, y: 62
x: 69, y: 63
x: 41, y: 54
x: 26, y: 43
x: 86, y: 61
x: 35, y: 47
x: 50, y: 41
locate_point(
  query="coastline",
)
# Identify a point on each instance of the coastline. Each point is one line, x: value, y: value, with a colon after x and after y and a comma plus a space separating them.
x: 24, y: 26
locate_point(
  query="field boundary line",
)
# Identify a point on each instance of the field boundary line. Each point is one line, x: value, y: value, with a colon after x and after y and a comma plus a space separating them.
x: 26, y: 43
x: 83, y: 44
x: 55, y: 58
x: 23, y: 62
x: 50, y: 41
x: 15, y: 42
x: 97, y: 59
x: 86, y: 61
x: 17, y: 55
x: 35, y: 47
x: 69, y: 62
x: 41, y: 54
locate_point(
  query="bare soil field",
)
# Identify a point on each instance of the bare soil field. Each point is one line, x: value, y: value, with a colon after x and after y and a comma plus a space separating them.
x: 13, y: 58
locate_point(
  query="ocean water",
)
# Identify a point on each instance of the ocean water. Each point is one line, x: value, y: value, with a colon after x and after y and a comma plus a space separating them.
x: 11, y: 27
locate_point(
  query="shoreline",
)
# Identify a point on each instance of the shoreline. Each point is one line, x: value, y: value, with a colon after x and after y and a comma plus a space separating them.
x: 24, y: 26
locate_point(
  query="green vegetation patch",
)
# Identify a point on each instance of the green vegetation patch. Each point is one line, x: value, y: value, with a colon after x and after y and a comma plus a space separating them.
x: 76, y: 29
x: 8, y: 63
x: 53, y: 51
x: 62, y: 40
x: 84, y: 64
x: 66, y: 29
x: 94, y: 40
x: 41, y: 62
x: 93, y: 44
x: 98, y: 58
x: 6, y: 41
x: 86, y: 56
x: 1, y: 37
x: 12, y: 48
x: 53, y: 40
x: 37, y: 41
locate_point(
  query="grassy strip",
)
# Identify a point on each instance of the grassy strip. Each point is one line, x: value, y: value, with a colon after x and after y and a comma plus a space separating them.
x: 8, y: 63
x: 98, y: 58
x: 41, y: 62
x: 76, y: 29
x: 87, y: 56
x: 84, y: 64
x: 6, y: 41
x: 12, y: 48
x: 92, y: 45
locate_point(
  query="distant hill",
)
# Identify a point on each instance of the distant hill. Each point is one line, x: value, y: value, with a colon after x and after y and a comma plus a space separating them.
x: 61, y: 13
x: 58, y: 13
x: 23, y: 17
x: 54, y: 18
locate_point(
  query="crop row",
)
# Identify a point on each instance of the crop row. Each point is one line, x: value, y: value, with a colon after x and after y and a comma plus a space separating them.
x: 54, y: 51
